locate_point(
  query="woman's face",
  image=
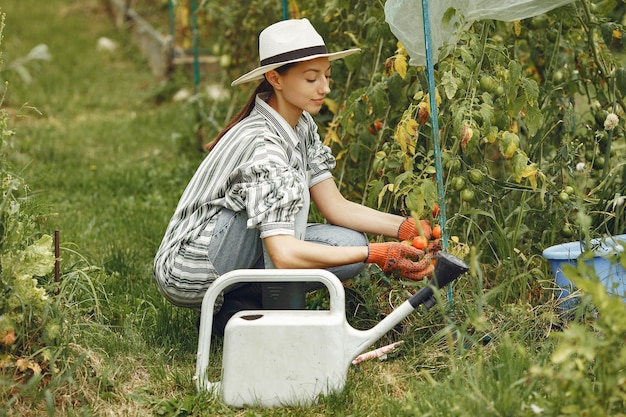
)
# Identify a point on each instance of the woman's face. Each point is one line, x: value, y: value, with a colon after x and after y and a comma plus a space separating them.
x: 304, y: 86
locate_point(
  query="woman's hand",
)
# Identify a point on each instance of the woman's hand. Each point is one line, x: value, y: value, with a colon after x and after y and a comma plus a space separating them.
x: 410, y: 229
x: 410, y: 262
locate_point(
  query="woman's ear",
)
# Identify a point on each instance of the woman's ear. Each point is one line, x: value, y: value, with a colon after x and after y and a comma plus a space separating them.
x: 273, y: 77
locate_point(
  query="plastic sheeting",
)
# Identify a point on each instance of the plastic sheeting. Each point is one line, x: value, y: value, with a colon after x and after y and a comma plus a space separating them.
x: 405, y: 20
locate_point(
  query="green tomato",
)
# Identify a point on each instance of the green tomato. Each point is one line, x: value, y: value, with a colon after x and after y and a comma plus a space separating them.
x: 457, y: 183
x: 598, y: 162
x: 569, y: 190
x: 216, y: 49
x: 539, y: 22
x: 600, y: 116
x: 552, y: 35
x: 567, y: 231
x: 476, y: 176
x: 454, y: 165
x: 563, y: 197
x: 558, y: 76
x: 602, y: 137
x: 225, y: 61
x: 488, y: 83
x: 467, y: 194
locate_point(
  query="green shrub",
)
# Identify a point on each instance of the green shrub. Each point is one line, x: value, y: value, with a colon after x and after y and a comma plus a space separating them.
x: 27, y: 329
x: 585, y: 373
x: 39, y: 308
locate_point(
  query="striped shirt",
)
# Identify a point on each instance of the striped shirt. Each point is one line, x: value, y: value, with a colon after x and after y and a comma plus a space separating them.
x: 260, y: 166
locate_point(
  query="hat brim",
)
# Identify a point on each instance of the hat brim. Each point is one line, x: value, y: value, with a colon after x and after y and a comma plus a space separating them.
x: 258, y: 73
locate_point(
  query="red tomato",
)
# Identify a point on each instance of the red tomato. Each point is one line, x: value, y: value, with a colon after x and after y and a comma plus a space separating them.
x: 420, y: 242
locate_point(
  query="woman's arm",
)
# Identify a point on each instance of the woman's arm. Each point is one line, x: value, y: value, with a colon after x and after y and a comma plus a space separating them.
x: 341, y: 212
x: 288, y: 252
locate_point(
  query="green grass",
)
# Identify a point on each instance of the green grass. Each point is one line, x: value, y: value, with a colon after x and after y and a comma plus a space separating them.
x: 109, y: 163
x: 105, y: 161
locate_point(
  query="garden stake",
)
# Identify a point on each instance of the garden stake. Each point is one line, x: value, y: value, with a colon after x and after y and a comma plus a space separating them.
x: 57, y: 252
x: 435, y: 132
x: 172, y: 29
x: 285, y: 10
x: 196, y: 72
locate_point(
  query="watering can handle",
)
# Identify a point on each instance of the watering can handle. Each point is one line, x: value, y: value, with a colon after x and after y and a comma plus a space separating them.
x: 334, y: 285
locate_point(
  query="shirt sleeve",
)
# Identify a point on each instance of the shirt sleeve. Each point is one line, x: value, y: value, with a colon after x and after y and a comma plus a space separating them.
x: 320, y: 158
x: 271, y: 192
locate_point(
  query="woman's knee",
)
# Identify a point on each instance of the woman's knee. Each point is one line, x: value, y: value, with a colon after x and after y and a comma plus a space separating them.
x: 332, y: 235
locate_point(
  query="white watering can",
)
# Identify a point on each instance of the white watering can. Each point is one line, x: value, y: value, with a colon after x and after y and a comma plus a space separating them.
x: 291, y: 357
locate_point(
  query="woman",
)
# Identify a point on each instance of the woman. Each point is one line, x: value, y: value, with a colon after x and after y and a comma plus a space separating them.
x: 247, y: 204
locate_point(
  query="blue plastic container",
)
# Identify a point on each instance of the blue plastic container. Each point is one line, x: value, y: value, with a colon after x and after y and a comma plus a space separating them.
x: 605, y: 263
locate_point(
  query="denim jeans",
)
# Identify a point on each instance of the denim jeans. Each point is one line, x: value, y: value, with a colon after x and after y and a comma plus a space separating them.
x: 234, y: 246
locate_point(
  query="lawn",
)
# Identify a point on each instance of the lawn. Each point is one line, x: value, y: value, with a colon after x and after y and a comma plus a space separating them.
x: 107, y: 163
x: 107, y: 153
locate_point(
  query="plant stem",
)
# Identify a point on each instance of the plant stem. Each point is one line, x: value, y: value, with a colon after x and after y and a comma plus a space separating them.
x: 519, y: 220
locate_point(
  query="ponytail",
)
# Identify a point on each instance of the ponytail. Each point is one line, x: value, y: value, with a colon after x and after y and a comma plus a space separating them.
x: 264, y: 87
x: 243, y: 113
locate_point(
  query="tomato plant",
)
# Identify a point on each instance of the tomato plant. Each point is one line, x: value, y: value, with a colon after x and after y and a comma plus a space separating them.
x: 522, y: 109
x: 527, y: 110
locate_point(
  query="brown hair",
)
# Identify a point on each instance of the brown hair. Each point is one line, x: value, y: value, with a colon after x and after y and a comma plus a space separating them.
x: 263, y: 87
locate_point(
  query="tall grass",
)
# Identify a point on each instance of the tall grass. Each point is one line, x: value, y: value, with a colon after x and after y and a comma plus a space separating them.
x: 105, y: 161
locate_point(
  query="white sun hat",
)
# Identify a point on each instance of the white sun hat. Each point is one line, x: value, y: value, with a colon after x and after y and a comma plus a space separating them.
x: 289, y: 41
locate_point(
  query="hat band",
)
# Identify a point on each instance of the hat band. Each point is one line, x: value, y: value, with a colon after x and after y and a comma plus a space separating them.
x: 292, y: 55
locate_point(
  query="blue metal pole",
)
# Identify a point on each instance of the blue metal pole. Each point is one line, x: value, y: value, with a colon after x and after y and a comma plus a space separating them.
x: 172, y: 21
x: 196, y: 58
x: 430, y: 73
x: 285, y: 10
x: 196, y: 70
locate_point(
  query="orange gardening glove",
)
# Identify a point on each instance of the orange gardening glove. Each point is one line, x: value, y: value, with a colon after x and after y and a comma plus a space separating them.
x: 434, y: 246
x: 410, y: 262
x: 410, y: 229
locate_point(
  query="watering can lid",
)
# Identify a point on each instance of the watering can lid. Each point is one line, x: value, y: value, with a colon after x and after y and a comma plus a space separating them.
x: 601, y: 247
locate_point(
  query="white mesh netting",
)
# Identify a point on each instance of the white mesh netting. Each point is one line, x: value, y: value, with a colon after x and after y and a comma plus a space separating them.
x: 405, y: 20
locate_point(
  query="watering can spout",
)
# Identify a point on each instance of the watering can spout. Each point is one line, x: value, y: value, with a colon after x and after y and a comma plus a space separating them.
x: 447, y: 269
